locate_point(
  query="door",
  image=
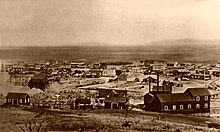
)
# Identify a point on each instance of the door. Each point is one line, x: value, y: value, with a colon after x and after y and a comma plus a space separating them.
x: 16, y: 101
x: 114, y: 105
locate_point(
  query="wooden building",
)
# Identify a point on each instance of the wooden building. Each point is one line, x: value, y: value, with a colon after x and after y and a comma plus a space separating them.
x: 17, y: 99
x: 193, y: 100
x: 115, y: 102
x: 200, y: 76
x: 83, y: 103
x: 113, y: 99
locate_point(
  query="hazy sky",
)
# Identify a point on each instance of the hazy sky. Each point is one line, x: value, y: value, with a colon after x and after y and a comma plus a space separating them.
x: 59, y: 22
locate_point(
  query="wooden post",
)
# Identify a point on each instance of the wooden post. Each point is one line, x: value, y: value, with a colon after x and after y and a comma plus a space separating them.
x: 149, y: 84
x: 126, y: 105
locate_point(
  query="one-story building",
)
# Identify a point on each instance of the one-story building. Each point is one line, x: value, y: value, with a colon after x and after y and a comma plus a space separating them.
x: 17, y: 99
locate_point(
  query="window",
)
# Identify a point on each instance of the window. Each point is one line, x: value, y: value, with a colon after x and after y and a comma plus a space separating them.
x: 206, y: 98
x: 181, y: 107
x: 20, y: 100
x: 165, y: 107
x: 197, y: 106
x: 197, y: 98
x: 174, y: 107
x: 28, y: 100
x: 189, y: 106
x: 25, y: 100
x: 206, y: 105
x: 9, y: 100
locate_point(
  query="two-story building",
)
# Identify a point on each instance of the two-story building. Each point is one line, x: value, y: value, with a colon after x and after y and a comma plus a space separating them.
x: 112, y: 98
x: 193, y: 100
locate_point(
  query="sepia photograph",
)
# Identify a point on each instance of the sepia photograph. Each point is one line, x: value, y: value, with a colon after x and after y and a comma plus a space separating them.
x: 109, y: 65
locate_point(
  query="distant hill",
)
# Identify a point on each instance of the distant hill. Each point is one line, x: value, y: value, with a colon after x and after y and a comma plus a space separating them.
x: 168, y: 42
x: 182, y: 42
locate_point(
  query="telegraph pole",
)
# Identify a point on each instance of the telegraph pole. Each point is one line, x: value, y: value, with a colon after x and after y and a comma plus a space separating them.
x: 204, y: 78
x: 126, y: 104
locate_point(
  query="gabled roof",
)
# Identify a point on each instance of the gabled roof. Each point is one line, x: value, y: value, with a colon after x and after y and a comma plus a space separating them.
x: 17, y: 95
x: 151, y: 76
x: 176, y: 97
x: 198, y: 91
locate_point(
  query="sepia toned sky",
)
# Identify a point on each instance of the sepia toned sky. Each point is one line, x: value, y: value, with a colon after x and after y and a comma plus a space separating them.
x: 116, y: 22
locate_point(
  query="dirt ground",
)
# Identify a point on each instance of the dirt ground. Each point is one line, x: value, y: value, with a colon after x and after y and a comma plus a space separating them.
x: 13, y: 119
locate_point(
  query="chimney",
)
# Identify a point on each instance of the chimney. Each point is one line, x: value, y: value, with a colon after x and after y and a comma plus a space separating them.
x: 157, y: 81
x: 164, y: 83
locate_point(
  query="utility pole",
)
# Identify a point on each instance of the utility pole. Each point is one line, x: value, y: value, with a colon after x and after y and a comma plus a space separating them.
x: 126, y: 104
x: 204, y: 77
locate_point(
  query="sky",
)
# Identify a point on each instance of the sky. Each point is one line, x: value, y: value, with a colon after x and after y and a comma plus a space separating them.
x: 115, y: 22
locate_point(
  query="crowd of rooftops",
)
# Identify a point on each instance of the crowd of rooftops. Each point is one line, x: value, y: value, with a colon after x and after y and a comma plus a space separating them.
x: 61, y: 71
x: 89, y: 75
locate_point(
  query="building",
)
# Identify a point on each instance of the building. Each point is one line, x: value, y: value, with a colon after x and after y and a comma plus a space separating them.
x: 200, y: 76
x: 17, y: 99
x: 83, y: 103
x: 95, y: 73
x: 17, y: 69
x: 21, y: 79
x: 113, y: 99
x: 109, y: 72
x: 115, y: 102
x: 193, y: 100
x: 38, y: 81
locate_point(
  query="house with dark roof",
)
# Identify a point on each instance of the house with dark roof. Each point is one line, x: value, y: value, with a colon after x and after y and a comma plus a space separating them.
x: 83, y: 103
x: 38, y: 81
x: 193, y: 100
x: 17, y: 99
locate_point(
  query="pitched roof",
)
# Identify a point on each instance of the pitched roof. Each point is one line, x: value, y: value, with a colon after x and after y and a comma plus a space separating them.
x: 17, y: 95
x: 176, y: 97
x: 198, y: 91
x: 151, y: 76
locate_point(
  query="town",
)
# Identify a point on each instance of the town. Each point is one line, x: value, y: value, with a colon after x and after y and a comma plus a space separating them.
x: 150, y: 85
